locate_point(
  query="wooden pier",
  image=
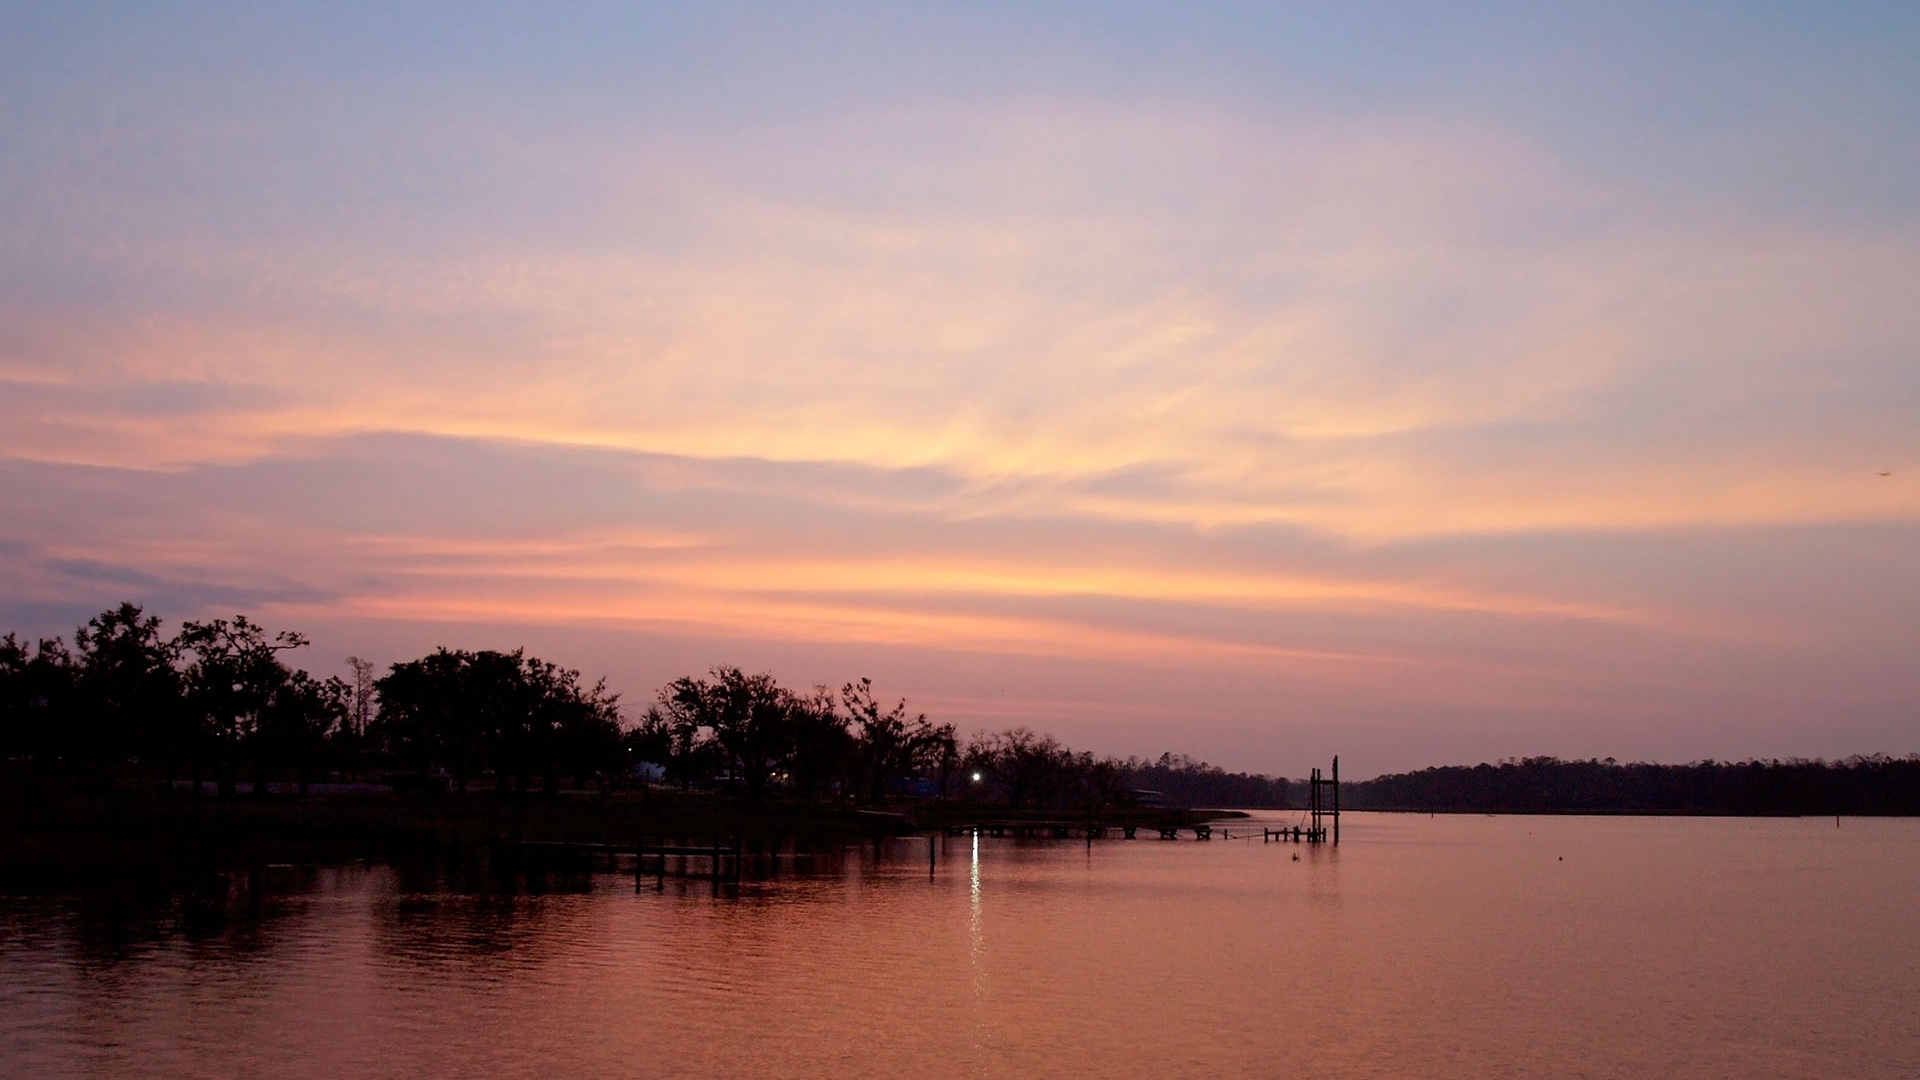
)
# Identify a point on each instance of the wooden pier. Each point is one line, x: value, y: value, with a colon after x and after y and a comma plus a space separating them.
x: 1067, y: 830
x: 717, y: 860
x: 1323, y: 813
x: 720, y: 861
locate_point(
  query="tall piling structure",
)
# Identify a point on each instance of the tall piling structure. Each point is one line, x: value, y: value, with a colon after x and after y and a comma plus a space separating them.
x: 1323, y: 804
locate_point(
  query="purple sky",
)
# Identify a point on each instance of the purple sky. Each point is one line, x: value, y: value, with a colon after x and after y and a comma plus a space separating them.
x: 1261, y: 383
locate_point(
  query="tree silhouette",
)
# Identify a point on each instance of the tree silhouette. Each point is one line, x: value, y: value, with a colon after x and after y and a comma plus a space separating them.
x: 671, y: 732
x: 823, y: 748
x: 426, y: 716
x: 588, y: 739
x: 299, y: 715
x: 38, y: 701
x: 888, y: 746
x: 751, y: 717
x: 231, y: 681
x: 128, y: 689
x: 361, y: 701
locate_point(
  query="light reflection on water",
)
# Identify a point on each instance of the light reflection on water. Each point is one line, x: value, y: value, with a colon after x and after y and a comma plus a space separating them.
x: 1466, y: 946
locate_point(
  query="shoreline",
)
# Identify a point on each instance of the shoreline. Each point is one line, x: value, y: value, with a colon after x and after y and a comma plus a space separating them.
x: 121, y: 840
x: 1515, y: 812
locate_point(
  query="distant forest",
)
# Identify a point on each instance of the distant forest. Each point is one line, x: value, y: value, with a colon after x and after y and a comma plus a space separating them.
x: 217, y: 708
x: 1858, y: 785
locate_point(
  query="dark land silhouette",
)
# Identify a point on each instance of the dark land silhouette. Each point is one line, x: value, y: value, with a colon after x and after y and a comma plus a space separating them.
x: 131, y: 746
x: 1873, y: 784
x: 217, y: 709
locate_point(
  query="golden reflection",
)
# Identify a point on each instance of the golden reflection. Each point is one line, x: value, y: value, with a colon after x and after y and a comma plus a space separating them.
x: 977, y: 957
x: 976, y: 938
x: 973, y: 897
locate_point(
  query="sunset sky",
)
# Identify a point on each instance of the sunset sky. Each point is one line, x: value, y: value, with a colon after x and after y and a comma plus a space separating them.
x: 1421, y: 383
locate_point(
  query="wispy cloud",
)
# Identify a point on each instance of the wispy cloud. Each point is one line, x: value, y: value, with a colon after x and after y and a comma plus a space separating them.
x: 1392, y: 393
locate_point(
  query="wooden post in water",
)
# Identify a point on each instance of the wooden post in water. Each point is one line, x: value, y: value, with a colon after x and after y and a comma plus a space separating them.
x: 1313, y: 830
x: 1336, y: 800
x: 1321, y: 806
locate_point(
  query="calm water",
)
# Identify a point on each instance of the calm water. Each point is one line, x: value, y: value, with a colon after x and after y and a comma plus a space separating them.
x: 1455, y: 946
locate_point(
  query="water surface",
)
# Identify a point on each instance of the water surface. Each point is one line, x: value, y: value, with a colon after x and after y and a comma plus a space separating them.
x: 1430, y: 947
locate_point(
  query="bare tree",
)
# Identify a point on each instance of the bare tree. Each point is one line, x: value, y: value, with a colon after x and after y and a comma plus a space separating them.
x: 360, y: 702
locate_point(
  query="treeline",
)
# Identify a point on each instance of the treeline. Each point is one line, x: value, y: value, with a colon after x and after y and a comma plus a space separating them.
x: 1183, y: 781
x: 1875, y: 784
x: 219, y: 706
x: 217, y: 703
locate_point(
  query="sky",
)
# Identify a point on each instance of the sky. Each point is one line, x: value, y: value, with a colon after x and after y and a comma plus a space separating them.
x: 1418, y: 383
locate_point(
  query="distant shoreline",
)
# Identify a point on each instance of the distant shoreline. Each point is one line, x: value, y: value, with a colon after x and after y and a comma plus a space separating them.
x: 1875, y: 785
x: 1470, y: 812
